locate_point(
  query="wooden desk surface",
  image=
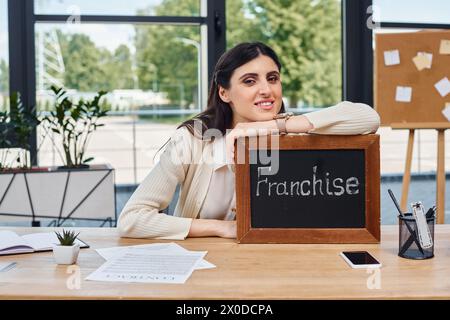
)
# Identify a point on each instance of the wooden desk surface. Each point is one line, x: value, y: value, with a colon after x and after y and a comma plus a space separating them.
x: 244, y: 271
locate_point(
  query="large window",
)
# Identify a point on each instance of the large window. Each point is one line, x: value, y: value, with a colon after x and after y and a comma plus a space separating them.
x: 154, y: 56
x: 148, y: 55
x: 4, y: 54
x: 307, y: 37
x: 150, y: 73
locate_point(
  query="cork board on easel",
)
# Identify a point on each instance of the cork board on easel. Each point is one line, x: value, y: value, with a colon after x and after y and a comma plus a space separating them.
x: 426, y: 103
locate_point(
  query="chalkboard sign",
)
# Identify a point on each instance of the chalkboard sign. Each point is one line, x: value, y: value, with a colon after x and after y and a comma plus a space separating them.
x: 308, y: 189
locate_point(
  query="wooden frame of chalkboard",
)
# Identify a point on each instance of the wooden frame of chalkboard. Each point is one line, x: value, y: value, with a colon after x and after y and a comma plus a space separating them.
x: 368, y: 230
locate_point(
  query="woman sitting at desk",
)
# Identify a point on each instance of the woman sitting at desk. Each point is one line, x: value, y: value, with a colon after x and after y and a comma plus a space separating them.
x: 245, y: 96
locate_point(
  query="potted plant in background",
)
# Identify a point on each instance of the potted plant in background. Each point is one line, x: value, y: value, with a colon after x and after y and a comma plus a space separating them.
x: 74, y: 124
x: 66, y: 252
x: 75, y: 190
x: 16, y: 127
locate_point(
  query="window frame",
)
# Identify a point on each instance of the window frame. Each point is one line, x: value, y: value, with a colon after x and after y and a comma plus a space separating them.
x: 357, y: 53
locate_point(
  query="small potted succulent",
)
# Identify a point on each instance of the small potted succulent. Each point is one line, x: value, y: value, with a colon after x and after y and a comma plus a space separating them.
x: 66, y: 252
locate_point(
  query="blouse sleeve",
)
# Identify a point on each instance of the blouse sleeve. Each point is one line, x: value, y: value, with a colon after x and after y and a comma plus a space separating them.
x: 140, y: 218
x: 345, y: 118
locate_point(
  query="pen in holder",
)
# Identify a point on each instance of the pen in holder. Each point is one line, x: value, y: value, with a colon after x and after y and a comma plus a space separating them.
x: 409, y: 243
x: 416, y: 231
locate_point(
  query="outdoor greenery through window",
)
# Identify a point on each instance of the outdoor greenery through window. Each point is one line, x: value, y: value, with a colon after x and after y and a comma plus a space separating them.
x: 305, y: 34
x: 143, y: 67
x: 151, y: 73
x: 4, y: 69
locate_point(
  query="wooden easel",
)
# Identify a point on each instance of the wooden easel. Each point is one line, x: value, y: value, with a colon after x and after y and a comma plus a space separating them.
x: 440, y: 172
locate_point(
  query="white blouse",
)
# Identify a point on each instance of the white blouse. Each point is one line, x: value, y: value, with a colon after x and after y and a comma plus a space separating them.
x: 220, y: 201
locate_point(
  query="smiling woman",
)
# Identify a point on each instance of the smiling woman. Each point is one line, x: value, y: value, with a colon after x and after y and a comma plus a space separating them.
x: 309, y: 35
x: 254, y: 96
x: 245, y: 96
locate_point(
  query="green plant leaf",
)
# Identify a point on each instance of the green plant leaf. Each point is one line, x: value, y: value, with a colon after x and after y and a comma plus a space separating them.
x: 88, y: 160
x: 74, y: 123
x: 67, y: 237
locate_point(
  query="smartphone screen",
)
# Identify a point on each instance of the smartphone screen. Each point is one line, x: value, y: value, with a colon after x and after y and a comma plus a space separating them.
x: 360, y: 258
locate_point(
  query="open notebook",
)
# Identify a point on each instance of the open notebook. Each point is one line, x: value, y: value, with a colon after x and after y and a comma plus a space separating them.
x: 11, y: 243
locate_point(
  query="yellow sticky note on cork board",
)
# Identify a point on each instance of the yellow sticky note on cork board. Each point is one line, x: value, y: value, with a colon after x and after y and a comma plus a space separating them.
x: 445, y: 47
x: 421, y: 62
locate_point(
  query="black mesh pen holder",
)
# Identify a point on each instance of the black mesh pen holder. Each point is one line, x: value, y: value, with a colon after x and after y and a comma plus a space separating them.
x: 409, y: 244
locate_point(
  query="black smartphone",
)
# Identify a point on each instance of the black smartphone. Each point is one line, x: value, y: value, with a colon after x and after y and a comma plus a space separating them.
x: 360, y: 259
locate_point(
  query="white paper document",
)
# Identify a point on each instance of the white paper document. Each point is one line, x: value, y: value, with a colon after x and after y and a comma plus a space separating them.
x: 403, y: 94
x: 147, y: 266
x: 443, y: 87
x: 109, y: 253
x: 392, y: 57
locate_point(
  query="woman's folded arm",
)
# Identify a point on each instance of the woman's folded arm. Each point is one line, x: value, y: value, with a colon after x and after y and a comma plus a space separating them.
x: 345, y: 118
x: 140, y: 218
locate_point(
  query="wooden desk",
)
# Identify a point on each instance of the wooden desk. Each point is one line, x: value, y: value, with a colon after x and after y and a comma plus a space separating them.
x: 244, y: 271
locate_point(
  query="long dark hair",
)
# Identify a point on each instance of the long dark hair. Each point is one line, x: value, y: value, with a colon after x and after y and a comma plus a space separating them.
x: 218, y: 114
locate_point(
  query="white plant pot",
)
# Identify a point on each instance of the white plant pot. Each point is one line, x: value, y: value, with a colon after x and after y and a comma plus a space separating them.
x: 66, y: 254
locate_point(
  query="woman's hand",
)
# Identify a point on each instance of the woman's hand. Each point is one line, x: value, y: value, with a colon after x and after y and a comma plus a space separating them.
x: 227, y: 229
x: 248, y: 129
x: 212, y: 228
x: 295, y: 124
